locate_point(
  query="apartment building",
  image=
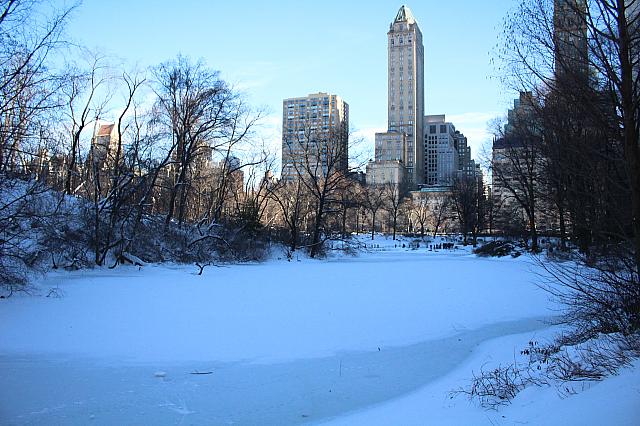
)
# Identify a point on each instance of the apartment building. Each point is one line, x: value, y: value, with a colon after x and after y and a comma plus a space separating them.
x: 315, y: 135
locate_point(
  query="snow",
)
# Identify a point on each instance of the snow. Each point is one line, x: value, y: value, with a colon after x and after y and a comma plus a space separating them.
x: 269, y: 312
x: 614, y: 401
x: 273, y: 343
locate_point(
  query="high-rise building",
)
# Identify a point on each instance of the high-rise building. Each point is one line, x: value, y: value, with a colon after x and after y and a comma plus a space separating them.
x: 442, y: 159
x: 570, y: 37
x: 402, y: 143
x: 447, y: 153
x: 466, y: 165
x: 510, y: 148
x: 315, y: 135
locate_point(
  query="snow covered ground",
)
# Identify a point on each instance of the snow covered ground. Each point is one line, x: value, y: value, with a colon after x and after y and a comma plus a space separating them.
x: 614, y: 401
x: 377, y: 339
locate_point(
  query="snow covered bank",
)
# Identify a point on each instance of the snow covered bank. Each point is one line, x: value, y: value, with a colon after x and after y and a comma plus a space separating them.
x: 614, y: 401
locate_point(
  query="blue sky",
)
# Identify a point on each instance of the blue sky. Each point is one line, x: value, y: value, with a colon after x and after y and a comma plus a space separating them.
x: 277, y: 49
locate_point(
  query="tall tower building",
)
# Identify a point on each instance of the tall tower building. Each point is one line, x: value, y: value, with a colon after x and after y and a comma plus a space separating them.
x: 403, y: 140
x: 315, y: 135
x: 570, y: 37
x: 104, y: 145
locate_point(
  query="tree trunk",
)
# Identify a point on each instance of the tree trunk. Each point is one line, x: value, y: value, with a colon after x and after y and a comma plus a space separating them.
x: 172, y: 203
x: 344, y: 223
x: 563, y: 229
x: 294, y: 239
x: 72, y: 163
x: 533, y: 232
x: 315, y: 243
x: 395, y: 224
x: 373, y: 225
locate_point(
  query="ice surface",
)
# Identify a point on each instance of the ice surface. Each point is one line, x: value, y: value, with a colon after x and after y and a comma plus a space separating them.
x: 269, y: 312
x: 372, y: 337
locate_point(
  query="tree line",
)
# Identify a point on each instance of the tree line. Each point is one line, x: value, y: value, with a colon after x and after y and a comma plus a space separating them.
x: 567, y: 161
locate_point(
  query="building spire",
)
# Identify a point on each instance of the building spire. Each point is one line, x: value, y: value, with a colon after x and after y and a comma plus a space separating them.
x: 405, y: 15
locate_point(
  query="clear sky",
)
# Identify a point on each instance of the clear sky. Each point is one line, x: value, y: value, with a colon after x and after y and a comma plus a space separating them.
x: 278, y: 49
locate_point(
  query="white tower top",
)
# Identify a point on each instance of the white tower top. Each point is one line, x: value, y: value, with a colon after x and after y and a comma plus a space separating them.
x: 405, y: 15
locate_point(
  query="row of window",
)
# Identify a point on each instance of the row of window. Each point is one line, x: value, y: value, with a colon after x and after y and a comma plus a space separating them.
x: 433, y: 128
x: 304, y: 104
x: 325, y: 117
x: 401, y: 40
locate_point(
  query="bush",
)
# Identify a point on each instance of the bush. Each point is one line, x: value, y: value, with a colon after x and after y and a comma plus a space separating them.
x: 601, y: 296
x: 498, y: 249
x: 562, y: 364
x: 29, y: 214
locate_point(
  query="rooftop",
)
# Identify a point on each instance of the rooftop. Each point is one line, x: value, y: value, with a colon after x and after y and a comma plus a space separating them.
x: 105, y: 129
x: 405, y: 15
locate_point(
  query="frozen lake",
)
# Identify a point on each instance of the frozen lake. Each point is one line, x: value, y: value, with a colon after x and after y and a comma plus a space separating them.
x: 284, y: 342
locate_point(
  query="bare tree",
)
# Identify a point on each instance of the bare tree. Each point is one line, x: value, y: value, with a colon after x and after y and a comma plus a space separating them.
x: 293, y: 205
x: 319, y: 159
x: 467, y: 199
x: 28, y: 87
x: 84, y: 104
x: 581, y: 59
x: 374, y: 201
x: 349, y: 201
x: 113, y: 204
x: 203, y: 118
x: 394, y: 196
x: 439, y: 210
x: 419, y: 213
x: 518, y: 164
x: 586, y: 54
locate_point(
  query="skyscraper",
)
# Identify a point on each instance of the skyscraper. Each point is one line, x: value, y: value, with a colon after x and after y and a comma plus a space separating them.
x: 104, y: 145
x: 442, y: 159
x: 570, y: 38
x: 315, y: 134
x: 403, y: 140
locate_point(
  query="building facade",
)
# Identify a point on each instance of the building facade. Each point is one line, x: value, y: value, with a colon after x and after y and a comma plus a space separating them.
x: 447, y: 153
x: 315, y: 135
x: 390, y: 159
x: 441, y: 160
x: 384, y: 172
